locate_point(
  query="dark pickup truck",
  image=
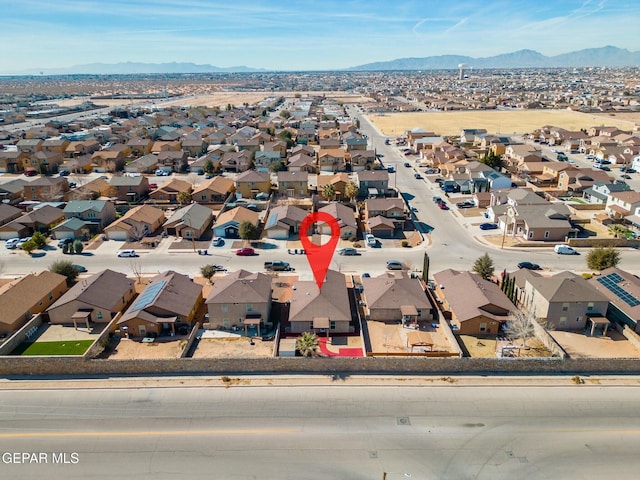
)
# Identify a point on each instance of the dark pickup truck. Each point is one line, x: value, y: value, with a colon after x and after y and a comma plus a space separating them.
x: 277, y: 266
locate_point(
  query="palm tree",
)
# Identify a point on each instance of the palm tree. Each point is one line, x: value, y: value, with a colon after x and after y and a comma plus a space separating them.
x: 307, y: 344
x: 351, y: 191
x: 617, y: 231
x: 328, y: 191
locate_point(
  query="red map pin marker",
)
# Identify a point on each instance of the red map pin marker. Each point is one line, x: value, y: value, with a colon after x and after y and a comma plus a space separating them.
x: 319, y: 256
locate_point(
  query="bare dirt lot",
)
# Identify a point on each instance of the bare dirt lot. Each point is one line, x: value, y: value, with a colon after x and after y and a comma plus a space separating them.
x: 577, y: 345
x: 233, y: 347
x: 485, y: 347
x: 494, y: 121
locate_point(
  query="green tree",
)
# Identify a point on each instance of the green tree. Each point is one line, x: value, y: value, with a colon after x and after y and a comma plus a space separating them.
x: 618, y: 231
x: 425, y: 268
x: 351, y: 190
x: 483, y: 266
x: 492, y: 160
x: 600, y: 258
x: 328, y: 191
x: 78, y: 247
x: 277, y: 166
x: 307, y: 344
x: 248, y: 231
x: 209, y: 168
x: 208, y: 271
x: 285, y: 114
x: 184, y: 197
x: 39, y: 239
x: 29, y: 246
x: 287, y: 137
x: 66, y: 268
x: 65, y: 248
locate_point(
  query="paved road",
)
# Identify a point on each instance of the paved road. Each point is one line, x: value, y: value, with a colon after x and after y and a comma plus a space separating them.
x: 325, y: 432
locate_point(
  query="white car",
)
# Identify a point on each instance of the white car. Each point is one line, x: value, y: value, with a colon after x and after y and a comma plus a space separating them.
x: 127, y: 253
x: 371, y: 240
x: 565, y: 250
x: 11, y: 243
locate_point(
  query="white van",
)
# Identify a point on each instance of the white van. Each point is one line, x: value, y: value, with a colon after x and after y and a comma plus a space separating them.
x: 564, y: 250
x: 371, y: 240
x: 127, y: 253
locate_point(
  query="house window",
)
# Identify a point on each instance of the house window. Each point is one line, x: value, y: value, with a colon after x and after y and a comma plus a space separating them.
x: 563, y: 321
x: 530, y: 233
x: 224, y: 307
x: 50, y: 296
x: 203, y: 198
x: 99, y: 316
x: 249, y: 308
x: 590, y: 306
x: 483, y: 327
x: 546, y: 234
x: 332, y: 325
x: 226, y: 323
x: 565, y: 307
x: 310, y: 326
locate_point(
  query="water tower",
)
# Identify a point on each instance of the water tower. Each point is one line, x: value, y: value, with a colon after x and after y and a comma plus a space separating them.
x: 461, y: 68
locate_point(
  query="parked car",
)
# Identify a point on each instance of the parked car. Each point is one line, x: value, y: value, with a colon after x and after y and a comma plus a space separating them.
x: 277, y: 266
x: 22, y: 241
x: 217, y: 242
x: 631, y: 170
x: 443, y: 206
x: 127, y: 253
x: 79, y: 268
x: 348, y: 251
x: 417, y: 176
x: 153, y: 186
x: 436, y: 199
x: 407, y: 164
x: 245, y: 252
x: 565, y: 250
x: 371, y: 240
x: 30, y: 173
x: 11, y: 243
x: 488, y: 226
x: 628, y: 177
x: 65, y: 241
x: 465, y: 204
x: 529, y: 266
x: 395, y: 265
x: 64, y: 173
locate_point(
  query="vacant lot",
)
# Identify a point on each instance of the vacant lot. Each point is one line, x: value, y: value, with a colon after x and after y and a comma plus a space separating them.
x: 69, y: 347
x: 494, y: 121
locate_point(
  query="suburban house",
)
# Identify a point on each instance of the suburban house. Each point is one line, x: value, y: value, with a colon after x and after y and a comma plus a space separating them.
x: 189, y: 222
x: 136, y: 223
x: 565, y: 301
x: 145, y: 164
x: 241, y: 300
x: 140, y: 146
x: 580, y: 179
x: 96, y: 214
x: 71, y: 228
x: 359, y: 159
x: 236, y: 161
x: 227, y: 224
x: 169, y: 192
x: 107, y: 160
x: 214, y: 190
x: 476, y: 306
x: 96, y: 299
x: 194, y: 145
x: 82, y: 147
x: 301, y: 162
x: 396, y: 297
x: 284, y: 221
x: 46, y: 189
x: 8, y: 213
x: 175, y: 161
x: 30, y: 145
x: 251, y: 183
x: 391, y: 208
x: 331, y: 159
x: 262, y: 160
x: 11, y: 161
x: 372, y: 183
x: 128, y: 188
x: 21, y: 299
x: 622, y: 289
x: 293, y: 184
x: 338, y: 181
x: 345, y: 217
x: 354, y: 141
x: 41, y: 219
x: 169, y: 301
x: 599, y: 192
x: 549, y: 223
x: 325, y: 311
x: 622, y: 204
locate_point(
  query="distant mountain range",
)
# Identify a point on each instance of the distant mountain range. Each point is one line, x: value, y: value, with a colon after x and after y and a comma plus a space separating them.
x: 591, y: 57
x: 124, y: 68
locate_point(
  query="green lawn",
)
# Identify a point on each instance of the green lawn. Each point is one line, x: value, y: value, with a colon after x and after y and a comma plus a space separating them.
x: 69, y: 347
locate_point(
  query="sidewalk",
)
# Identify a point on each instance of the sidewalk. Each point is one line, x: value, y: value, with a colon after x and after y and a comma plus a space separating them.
x: 317, y: 381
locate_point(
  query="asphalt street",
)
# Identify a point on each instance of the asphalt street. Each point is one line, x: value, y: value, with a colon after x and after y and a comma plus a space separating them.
x: 324, y: 432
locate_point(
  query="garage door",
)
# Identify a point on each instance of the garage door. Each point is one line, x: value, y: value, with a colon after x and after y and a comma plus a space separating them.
x: 117, y: 235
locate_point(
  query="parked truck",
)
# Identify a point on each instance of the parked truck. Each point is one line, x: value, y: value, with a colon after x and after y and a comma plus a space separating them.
x: 277, y: 266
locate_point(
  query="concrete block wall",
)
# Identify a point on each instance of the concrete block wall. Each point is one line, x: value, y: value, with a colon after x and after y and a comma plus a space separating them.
x: 20, y: 336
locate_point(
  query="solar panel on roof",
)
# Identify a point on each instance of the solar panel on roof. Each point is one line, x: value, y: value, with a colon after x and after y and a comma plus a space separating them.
x: 611, y: 282
x: 272, y: 220
x: 147, y: 297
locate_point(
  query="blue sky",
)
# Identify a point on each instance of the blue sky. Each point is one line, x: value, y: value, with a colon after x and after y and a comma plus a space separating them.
x: 301, y: 35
